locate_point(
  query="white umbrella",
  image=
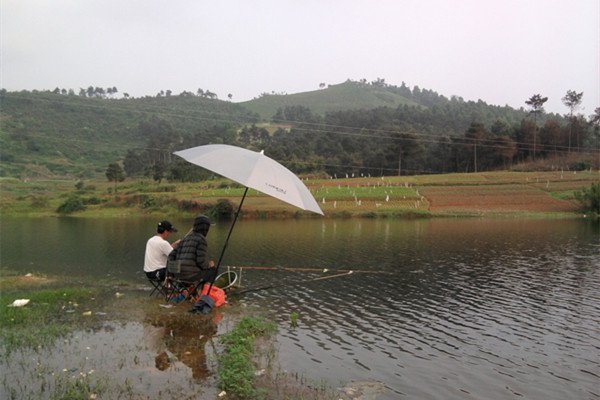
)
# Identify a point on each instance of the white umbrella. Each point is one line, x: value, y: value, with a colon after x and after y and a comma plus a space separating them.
x: 253, y: 170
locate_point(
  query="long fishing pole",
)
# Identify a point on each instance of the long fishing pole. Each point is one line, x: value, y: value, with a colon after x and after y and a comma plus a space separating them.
x: 303, y: 269
x: 293, y: 283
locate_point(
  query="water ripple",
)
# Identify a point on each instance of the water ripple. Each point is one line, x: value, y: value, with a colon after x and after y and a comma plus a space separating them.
x: 457, y: 308
x: 499, y: 324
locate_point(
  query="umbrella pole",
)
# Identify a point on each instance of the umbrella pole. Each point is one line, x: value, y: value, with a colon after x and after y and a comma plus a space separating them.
x: 228, y: 236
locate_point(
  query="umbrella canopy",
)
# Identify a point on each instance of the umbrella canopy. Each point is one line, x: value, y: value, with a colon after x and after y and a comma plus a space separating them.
x: 253, y: 170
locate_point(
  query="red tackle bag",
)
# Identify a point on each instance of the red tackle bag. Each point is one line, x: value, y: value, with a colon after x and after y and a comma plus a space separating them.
x: 217, y: 294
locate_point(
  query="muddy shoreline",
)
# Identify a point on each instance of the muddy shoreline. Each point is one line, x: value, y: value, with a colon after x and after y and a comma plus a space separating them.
x: 121, y: 343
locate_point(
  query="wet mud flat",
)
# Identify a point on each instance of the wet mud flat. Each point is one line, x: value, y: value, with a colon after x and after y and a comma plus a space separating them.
x: 168, y: 353
x: 136, y: 347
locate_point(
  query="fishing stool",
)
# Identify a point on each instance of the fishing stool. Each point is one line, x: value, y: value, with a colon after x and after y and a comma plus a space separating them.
x: 175, y: 288
x: 158, y: 287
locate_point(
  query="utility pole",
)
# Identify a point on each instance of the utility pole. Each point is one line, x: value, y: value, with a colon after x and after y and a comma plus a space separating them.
x: 475, y: 151
x: 400, y: 164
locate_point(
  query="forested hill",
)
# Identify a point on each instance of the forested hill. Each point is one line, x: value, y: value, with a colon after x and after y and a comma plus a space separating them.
x: 45, y: 134
x: 344, y: 96
x: 362, y: 95
x: 353, y: 127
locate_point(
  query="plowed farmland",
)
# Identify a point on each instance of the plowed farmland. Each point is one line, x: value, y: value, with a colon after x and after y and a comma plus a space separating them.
x: 499, y: 198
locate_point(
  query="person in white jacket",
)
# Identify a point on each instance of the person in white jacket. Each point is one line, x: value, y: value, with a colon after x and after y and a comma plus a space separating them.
x: 157, y: 250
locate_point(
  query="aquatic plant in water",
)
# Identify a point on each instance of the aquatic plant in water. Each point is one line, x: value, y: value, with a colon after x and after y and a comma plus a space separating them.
x: 294, y: 319
x: 40, y: 321
x: 236, y: 371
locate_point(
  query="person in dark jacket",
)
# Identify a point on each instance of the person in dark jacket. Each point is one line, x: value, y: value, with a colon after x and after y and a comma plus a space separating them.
x: 192, y: 253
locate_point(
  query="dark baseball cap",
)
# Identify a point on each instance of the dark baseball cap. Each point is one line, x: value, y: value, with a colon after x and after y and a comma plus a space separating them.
x: 166, y: 226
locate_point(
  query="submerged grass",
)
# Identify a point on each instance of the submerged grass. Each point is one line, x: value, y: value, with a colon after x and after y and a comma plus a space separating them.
x: 44, y: 318
x: 245, y: 366
x: 83, y: 387
x: 236, y: 369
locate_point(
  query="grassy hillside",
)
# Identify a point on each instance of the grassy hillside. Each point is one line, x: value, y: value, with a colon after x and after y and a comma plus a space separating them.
x: 47, y: 135
x: 52, y: 135
x: 344, y: 96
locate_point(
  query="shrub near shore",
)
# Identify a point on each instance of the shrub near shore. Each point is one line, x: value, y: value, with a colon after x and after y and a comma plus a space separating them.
x: 488, y: 193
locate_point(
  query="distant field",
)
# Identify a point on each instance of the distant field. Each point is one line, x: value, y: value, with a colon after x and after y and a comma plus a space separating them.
x: 463, y: 194
x: 490, y: 193
x: 498, y: 198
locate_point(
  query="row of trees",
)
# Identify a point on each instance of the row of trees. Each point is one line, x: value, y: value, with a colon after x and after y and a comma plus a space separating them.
x: 572, y: 100
x: 156, y: 159
x: 207, y: 94
x: 109, y: 92
x: 449, y: 135
x: 91, y: 91
x: 411, y: 140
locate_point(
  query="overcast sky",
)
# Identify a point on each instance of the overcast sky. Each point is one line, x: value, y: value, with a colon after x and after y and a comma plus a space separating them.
x: 499, y: 51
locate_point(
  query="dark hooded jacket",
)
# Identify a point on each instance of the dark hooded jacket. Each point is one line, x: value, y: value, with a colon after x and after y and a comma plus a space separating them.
x: 193, y: 251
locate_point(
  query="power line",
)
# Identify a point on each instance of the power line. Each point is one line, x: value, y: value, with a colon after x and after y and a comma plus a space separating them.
x: 371, y: 133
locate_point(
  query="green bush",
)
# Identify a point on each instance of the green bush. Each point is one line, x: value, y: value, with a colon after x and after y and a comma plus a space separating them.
x: 149, y: 202
x: 39, y: 201
x: 71, y: 205
x: 223, y: 209
x: 228, y: 185
x: 93, y: 200
x: 190, y: 206
x: 141, y: 200
x: 165, y: 188
x: 370, y: 214
x: 581, y: 165
x: 590, y: 198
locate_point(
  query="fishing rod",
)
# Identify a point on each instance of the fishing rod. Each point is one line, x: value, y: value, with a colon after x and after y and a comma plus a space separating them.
x: 304, y: 269
x: 292, y: 283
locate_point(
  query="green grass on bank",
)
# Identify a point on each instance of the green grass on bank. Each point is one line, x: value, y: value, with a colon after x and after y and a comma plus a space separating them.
x: 236, y: 368
x: 53, y: 310
x: 390, y: 196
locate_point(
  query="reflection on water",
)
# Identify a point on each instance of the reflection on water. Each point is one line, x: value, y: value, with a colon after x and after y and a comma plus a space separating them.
x: 457, y: 309
x: 118, y: 360
x: 185, y: 340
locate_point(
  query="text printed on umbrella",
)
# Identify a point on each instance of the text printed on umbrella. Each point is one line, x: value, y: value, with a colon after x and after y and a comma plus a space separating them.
x: 280, y: 190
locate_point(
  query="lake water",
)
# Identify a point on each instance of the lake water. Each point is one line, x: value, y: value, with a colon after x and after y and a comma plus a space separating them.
x: 441, y: 308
